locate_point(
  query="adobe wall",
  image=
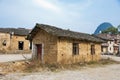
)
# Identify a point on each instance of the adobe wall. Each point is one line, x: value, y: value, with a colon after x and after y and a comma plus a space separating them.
x: 4, y: 36
x: 49, y: 46
x: 65, y: 51
x: 14, y: 42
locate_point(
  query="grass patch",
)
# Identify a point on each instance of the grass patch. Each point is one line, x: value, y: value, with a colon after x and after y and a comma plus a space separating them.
x: 36, y: 66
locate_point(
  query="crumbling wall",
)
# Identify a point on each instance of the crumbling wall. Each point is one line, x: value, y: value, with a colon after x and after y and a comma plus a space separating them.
x: 4, y: 42
x: 9, y: 44
x: 14, y: 42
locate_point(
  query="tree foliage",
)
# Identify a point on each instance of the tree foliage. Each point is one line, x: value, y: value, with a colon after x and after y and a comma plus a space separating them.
x: 111, y: 30
x: 118, y: 28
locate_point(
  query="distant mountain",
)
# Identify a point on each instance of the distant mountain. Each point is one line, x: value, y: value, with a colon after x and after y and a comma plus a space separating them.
x: 102, y: 27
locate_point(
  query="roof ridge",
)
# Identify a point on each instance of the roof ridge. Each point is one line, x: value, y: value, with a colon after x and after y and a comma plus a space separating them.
x: 15, y: 30
x: 59, y: 32
x: 61, y: 28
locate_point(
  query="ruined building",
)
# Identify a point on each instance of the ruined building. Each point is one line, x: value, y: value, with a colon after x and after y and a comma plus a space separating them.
x: 13, y: 40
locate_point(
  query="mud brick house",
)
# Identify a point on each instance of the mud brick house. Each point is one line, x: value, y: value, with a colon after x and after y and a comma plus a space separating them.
x: 111, y: 46
x: 55, y: 45
x: 13, y: 40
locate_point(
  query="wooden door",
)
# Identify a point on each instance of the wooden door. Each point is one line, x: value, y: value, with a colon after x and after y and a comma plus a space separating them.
x: 39, y: 51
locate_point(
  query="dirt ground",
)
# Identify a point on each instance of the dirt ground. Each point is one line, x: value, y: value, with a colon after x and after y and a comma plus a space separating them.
x: 13, y: 57
x: 113, y: 57
x: 108, y: 72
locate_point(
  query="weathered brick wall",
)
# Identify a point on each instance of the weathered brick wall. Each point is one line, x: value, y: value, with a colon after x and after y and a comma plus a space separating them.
x: 4, y: 36
x: 60, y: 49
x: 14, y: 42
x: 49, y: 43
x: 65, y: 51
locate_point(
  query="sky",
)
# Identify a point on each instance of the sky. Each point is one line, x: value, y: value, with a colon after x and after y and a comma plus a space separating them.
x: 76, y: 15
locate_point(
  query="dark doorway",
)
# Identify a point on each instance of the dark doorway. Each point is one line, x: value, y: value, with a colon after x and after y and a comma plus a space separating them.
x: 30, y: 44
x: 20, y: 45
x: 92, y: 49
x: 39, y: 51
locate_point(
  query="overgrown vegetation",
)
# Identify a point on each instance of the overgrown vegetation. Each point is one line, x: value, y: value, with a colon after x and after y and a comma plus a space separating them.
x: 111, y: 30
x: 57, y: 67
x: 36, y: 66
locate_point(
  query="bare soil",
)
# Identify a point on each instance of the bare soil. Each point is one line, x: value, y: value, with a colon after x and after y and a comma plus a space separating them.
x: 106, y: 69
x: 109, y: 72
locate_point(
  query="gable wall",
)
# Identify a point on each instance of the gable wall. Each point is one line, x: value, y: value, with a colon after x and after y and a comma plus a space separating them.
x: 49, y: 45
x: 4, y: 36
x: 14, y: 42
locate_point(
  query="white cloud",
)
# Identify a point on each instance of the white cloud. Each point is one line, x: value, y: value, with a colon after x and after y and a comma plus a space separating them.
x: 47, y: 5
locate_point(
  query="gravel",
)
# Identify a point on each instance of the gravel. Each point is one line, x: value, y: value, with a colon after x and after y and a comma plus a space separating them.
x: 109, y: 72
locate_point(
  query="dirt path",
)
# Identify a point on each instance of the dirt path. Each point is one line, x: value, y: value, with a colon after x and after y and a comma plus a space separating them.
x: 13, y: 57
x: 109, y: 72
x: 115, y: 58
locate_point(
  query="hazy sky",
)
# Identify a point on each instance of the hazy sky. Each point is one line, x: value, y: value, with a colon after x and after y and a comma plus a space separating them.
x: 77, y: 15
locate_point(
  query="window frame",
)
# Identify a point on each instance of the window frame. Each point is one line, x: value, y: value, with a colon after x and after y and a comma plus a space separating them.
x: 92, y: 49
x: 75, y: 48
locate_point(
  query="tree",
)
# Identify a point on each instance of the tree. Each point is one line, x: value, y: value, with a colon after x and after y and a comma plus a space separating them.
x: 118, y: 28
x: 111, y: 30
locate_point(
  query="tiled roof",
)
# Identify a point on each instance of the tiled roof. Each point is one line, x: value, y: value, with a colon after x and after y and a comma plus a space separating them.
x: 16, y: 31
x: 63, y: 33
x: 108, y: 36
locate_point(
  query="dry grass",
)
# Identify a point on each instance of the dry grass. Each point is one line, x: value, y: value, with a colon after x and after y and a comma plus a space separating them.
x: 36, y: 66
